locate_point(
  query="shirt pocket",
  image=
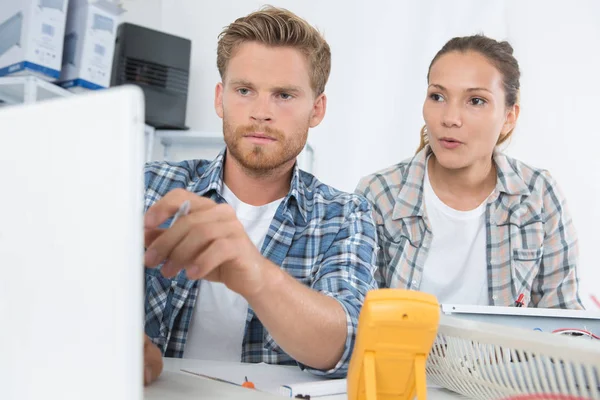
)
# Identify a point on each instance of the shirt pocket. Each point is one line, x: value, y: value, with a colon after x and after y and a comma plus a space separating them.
x: 525, y: 267
x: 400, y: 231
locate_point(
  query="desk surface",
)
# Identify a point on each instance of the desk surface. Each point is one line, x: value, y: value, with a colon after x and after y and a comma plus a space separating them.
x: 176, y: 385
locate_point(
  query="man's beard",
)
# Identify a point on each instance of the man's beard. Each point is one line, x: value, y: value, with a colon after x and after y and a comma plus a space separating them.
x: 262, y: 160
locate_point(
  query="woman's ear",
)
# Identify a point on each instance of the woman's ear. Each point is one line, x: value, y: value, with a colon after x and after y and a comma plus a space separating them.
x: 511, y: 121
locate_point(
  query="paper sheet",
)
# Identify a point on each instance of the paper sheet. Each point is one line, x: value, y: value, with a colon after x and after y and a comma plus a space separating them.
x: 267, y: 378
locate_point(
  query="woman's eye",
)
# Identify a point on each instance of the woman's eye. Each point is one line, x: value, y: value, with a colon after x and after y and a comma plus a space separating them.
x: 436, y: 97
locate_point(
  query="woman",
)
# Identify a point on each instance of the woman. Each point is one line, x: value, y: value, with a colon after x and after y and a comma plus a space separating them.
x: 460, y: 219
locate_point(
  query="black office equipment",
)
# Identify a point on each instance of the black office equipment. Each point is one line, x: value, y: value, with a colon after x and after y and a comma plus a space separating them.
x: 159, y: 63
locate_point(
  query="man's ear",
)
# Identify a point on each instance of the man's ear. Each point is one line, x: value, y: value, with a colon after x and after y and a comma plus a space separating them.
x: 318, y: 111
x: 219, y: 99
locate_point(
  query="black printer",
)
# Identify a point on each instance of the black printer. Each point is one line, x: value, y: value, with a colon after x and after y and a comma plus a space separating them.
x: 159, y: 63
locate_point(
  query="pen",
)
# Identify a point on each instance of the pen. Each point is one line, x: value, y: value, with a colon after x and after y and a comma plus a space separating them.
x: 183, y: 210
x: 519, y: 302
x: 211, y: 377
x: 247, y: 383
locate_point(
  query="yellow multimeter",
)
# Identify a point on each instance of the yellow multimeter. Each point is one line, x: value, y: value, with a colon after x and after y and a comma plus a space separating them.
x: 396, y: 330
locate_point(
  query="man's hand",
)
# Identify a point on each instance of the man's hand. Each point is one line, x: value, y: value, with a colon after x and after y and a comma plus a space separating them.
x: 209, y: 243
x: 153, y: 363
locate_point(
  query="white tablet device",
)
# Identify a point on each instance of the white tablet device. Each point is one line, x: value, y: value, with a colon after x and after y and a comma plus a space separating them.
x: 71, y: 245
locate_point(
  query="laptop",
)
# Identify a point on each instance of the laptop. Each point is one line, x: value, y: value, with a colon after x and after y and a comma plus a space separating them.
x: 538, y: 319
x: 71, y: 245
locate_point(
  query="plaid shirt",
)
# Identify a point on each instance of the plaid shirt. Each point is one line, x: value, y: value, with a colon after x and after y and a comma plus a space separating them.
x: 324, y: 238
x: 531, y: 242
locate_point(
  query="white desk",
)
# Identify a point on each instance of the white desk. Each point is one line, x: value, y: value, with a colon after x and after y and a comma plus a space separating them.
x: 176, y: 385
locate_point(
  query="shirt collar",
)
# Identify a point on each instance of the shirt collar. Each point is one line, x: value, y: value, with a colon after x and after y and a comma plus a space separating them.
x: 509, y: 179
x: 409, y: 202
x: 212, y: 180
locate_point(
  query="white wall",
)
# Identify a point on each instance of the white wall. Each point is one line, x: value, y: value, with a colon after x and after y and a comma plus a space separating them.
x: 143, y: 12
x: 381, y: 50
x: 559, y: 53
x: 380, y: 56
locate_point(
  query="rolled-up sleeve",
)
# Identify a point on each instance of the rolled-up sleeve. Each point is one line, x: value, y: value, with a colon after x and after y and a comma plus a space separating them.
x: 346, y: 274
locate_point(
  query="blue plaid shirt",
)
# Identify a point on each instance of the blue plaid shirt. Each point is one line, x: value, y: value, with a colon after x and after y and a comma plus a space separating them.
x: 324, y: 238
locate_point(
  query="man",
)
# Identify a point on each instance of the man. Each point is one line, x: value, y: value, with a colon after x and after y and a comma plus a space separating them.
x: 297, y: 300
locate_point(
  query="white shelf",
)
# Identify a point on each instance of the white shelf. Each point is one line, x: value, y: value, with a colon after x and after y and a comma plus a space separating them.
x: 28, y: 89
x: 31, y: 89
x: 169, y: 138
x: 191, y: 137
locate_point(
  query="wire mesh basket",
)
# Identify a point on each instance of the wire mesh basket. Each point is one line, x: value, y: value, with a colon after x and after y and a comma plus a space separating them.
x: 490, y: 361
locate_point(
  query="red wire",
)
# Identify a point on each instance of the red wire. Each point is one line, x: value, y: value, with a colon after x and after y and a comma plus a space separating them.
x: 577, y: 331
x: 542, y: 396
x: 595, y: 300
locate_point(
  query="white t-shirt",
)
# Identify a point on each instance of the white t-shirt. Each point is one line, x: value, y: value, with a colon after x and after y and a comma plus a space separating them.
x: 455, y: 270
x: 219, y: 319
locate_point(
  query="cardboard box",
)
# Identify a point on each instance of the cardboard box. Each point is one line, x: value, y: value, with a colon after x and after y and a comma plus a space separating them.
x: 31, y: 37
x: 89, y: 44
